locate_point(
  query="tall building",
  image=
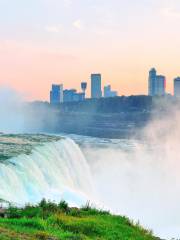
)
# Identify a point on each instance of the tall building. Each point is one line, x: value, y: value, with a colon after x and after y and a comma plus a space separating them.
x: 96, y: 91
x: 108, y: 92
x: 160, y: 85
x: 56, y: 94
x: 157, y: 84
x: 177, y: 87
x: 152, y: 82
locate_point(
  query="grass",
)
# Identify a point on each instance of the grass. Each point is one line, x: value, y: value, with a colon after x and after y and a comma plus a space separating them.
x: 50, y: 221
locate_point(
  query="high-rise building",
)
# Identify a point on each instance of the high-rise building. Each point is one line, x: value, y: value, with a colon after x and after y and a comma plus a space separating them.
x: 108, y: 92
x: 177, y: 87
x: 56, y: 94
x: 96, y: 91
x: 160, y: 85
x: 152, y: 81
x: 157, y: 84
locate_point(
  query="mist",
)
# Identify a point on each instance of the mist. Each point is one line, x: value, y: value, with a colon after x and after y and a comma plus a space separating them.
x: 11, y: 111
x: 19, y: 116
x: 137, y: 178
x: 140, y: 178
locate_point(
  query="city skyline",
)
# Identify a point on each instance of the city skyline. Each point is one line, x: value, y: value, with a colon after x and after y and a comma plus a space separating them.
x: 58, y: 41
x: 156, y: 87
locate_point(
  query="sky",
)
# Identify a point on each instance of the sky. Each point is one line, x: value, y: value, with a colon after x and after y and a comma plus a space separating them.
x: 64, y: 41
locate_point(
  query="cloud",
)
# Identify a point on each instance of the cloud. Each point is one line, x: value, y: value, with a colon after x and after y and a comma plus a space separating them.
x: 53, y: 28
x: 78, y: 24
x: 170, y: 12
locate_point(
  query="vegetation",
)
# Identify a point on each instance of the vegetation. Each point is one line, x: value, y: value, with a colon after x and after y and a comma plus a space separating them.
x: 50, y: 221
x: 107, y: 105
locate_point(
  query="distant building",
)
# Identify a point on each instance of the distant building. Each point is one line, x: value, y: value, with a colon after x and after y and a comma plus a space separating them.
x: 56, y: 94
x: 84, y: 87
x: 157, y: 84
x: 108, y: 92
x: 79, y: 97
x: 71, y: 95
x: 152, y: 82
x: 96, y: 91
x: 177, y: 87
x: 160, y: 85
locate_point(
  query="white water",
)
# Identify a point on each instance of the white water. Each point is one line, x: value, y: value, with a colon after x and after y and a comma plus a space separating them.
x: 129, y: 177
x: 54, y: 171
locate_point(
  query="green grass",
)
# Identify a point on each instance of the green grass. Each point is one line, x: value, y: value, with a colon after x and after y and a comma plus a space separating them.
x: 50, y: 221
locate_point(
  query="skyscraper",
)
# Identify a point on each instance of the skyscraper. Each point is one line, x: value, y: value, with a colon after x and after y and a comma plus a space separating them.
x: 157, y: 84
x: 160, y: 85
x: 152, y: 82
x: 177, y: 87
x: 56, y: 94
x: 96, y: 91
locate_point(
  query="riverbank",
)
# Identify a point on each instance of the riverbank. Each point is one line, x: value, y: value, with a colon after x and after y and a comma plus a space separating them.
x: 50, y: 221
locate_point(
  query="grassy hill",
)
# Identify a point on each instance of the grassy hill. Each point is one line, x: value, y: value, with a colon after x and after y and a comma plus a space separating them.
x: 50, y: 221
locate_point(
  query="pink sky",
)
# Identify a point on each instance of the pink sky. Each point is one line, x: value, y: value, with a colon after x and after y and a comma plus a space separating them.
x: 31, y: 70
x: 45, y: 42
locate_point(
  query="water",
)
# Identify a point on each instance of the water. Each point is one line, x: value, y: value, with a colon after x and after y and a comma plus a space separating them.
x: 139, y: 178
x: 35, y: 167
x: 129, y: 177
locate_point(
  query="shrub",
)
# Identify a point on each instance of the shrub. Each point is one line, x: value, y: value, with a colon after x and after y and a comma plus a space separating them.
x: 30, y: 212
x: 48, y: 208
x: 75, y: 212
x: 43, y: 203
x: 63, y: 206
x: 89, y: 209
x: 14, y: 212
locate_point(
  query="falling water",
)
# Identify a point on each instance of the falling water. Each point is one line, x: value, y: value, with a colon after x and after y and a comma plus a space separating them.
x: 56, y: 170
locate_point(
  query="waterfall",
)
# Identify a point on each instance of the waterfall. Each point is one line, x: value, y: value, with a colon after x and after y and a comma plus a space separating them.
x: 55, y: 171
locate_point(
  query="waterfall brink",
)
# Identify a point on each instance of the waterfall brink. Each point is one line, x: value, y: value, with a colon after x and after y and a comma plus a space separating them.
x: 55, y: 171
